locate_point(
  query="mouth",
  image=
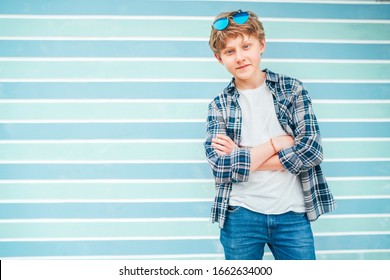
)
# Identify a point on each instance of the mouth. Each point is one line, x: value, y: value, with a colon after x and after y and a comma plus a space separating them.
x: 243, y: 66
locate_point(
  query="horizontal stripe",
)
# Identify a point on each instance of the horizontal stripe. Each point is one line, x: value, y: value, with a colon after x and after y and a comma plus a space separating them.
x: 169, y: 90
x: 155, y: 121
x: 360, y: 187
x: 166, y: 230
x: 81, y: 248
x: 353, y: 255
x: 187, y: 28
x: 106, y: 210
x: 352, y: 242
x: 178, y: 80
x: 187, y: 39
x: 159, y: 238
x: 151, y: 200
x: 117, y: 49
x: 162, y: 220
x: 173, y: 230
x: 157, y: 161
x: 140, y: 247
x: 179, y: 69
x: 321, y: 255
x: 160, y: 171
x: 165, y: 151
x: 349, y: 225
x: 187, y: 59
x: 158, y: 190
x: 176, y: 140
x: 184, y: 18
x: 155, y: 209
x: 278, y: 9
x: 149, y: 110
x: 115, y: 232
x: 162, y: 131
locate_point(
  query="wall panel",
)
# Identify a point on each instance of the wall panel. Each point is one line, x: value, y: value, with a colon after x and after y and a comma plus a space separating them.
x: 102, y: 118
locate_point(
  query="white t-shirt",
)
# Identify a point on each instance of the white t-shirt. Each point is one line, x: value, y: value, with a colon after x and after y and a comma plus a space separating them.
x: 267, y: 192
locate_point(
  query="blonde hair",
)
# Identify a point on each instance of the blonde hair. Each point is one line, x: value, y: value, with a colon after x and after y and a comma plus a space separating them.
x: 253, y: 27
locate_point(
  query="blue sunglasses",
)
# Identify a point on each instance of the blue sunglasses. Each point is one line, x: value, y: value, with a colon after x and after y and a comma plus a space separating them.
x: 240, y: 18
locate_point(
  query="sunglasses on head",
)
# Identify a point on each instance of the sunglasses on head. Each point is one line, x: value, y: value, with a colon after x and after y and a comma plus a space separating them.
x: 239, y: 17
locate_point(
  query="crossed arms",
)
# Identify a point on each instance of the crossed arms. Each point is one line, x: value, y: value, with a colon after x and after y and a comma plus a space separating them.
x: 263, y: 157
x: 296, y: 153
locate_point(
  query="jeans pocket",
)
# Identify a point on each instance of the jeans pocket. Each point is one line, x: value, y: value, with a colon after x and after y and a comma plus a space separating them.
x: 233, y: 209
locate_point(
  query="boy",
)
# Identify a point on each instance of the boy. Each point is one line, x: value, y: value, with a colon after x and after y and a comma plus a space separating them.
x: 264, y: 148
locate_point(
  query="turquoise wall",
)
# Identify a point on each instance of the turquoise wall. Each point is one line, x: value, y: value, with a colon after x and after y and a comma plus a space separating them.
x: 102, y: 118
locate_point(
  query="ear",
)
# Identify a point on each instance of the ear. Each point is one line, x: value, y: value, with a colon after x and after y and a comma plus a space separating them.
x: 218, y: 57
x: 262, y: 46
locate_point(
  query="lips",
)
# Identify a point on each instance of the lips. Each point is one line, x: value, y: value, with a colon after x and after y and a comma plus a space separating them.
x: 243, y: 66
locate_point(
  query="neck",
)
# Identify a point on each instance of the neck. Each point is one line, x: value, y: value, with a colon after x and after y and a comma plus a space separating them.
x: 250, y: 83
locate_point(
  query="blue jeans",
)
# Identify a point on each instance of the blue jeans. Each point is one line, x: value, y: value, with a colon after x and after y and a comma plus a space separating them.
x: 245, y: 233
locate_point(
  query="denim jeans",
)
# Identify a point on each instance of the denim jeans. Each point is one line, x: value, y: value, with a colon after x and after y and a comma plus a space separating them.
x: 245, y: 233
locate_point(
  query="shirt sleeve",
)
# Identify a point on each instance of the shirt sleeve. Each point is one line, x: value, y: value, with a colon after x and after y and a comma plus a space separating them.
x: 307, y: 152
x: 233, y: 168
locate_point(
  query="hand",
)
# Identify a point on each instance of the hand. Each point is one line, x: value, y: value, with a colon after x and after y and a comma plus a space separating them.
x: 282, y: 142
x: 223, y: 144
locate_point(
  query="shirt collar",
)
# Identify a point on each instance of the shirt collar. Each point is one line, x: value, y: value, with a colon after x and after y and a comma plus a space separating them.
x: 270, y: 78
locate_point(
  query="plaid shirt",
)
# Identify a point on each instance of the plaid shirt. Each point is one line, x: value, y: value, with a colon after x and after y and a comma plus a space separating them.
x: 295, y: 114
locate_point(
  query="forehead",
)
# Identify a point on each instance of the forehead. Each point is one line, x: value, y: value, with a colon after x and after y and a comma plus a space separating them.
x: 244, y: 38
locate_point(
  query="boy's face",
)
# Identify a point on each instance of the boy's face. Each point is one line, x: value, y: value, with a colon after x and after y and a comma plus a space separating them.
x: 241, y: 57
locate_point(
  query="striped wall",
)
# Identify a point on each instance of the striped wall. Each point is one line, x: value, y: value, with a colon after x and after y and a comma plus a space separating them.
x: 102, y: 118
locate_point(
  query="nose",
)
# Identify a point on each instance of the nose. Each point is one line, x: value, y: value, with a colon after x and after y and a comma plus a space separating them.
x: 239, y: 56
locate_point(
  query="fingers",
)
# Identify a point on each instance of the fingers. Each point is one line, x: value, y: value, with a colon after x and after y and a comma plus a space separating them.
x: 223, y: 144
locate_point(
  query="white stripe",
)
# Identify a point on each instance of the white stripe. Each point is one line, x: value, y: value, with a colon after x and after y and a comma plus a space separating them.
x: 119, y: 141
x: 120, y: 257
x: 347, y: 233
x: 358, y: 251
x: 355, y: 159
x: 328, y: 41
x: 351, y: 101
x: 356, y: 178
x: 178, y: 80
x: 104, y: 101
x: 104, y: 17
x: 189, y: 59
x: 354, y: 216
x: 148, y: 200
x: 166, y: 220
x: 113, y: 38
x: 133, y: 80
x: 188, y: 39
x: 179, y: 256
x: 304, y: 1
x: 176, y: 100
x: 164, y: 238
x: 110, y: 181
x: 368, y: 139
x: 113, y: 121
x: 184, y: 18
x: 351, y: 197
x: 352, y: 120
x: 117, y: 181
x: 102, y: 141
x: 157, y: 161
x: 146, y: 238
x: 115, y: 220
x: 132, y: 161
x: 86, y: 201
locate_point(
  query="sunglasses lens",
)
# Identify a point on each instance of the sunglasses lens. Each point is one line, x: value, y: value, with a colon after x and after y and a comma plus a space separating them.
x: 241, y: 18
x: 220, y: 24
